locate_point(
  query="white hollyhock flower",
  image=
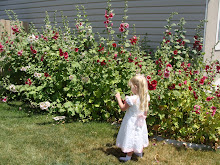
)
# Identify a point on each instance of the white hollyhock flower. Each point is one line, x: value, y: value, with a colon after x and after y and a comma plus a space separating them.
x: 39, y: 75
x: 82, y: 55
x: 35, y: 74
x: 12, y: 88
x: 72, y: 48
x: 71, y: 77
x: 44, y: 105
x: 48, y: 27
x: 47, y: 103
x: 65, y: 38
x: 31, y: 38
x: 23, y: 68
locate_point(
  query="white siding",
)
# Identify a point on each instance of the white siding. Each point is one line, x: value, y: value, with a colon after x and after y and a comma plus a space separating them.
x: 149, y: 16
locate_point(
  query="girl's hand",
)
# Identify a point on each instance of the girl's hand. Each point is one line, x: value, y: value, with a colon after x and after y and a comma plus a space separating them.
x: 117, y: 95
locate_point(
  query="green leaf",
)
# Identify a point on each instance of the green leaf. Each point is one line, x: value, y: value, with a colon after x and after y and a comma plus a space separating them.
x: 127, y: 44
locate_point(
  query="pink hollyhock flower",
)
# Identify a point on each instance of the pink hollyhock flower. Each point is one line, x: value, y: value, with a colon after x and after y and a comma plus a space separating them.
x: 201, y: 81
x: 209, y: 98
x: 182, y: 64
x: 197, y: 107
x: 204, y: 77
x: 111, y: 15
x: 106, y: 16
x: 20, y: 53
x: 115, y: 56
x: 189, y: 64
x: 5, y: 99
x: 76, y: 49
x: 122, y: 25
x: 126, y: 25
x: 166, y: 74
x: 185, y: 82
x: 196, y: 79
x: 121, y: 29
x: 213, y: 110
x: 114, y: 45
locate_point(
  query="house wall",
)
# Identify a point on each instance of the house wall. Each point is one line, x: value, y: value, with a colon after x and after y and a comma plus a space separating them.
x: 211, y: 30
x: 149, y: 16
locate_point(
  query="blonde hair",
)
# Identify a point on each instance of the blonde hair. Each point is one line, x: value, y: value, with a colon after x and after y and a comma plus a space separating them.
x: 142, y: 90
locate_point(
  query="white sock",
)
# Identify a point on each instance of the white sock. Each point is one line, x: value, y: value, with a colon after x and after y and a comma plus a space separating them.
x: 125, y: 159
x: 139, y: 154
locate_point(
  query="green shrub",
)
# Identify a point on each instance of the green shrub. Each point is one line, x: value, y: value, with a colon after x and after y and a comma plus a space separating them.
x: 67, y: 71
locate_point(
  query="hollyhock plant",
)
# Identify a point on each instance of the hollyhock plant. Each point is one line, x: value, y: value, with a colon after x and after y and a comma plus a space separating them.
x: 81, y: 83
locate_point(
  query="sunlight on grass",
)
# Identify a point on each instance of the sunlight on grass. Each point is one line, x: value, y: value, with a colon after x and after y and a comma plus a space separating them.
x: 36, y: 139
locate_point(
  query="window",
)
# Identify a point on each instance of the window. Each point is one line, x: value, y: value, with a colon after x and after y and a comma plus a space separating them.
x: 218, y: 29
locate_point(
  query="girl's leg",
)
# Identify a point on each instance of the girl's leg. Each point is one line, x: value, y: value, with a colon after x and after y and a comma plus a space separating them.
x: 128, y: 157
x: 130, y: 153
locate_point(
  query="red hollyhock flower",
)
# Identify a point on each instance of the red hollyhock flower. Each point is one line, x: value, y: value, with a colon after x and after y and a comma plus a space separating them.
x: 154, y: 82
x: 190, y: 88
x: 114, y: 45
x: 206, y: 67
x: 76, y: 49
x: 28, y: 82
x: 46, y: 74
x: 148, y: 77
x: 61, y: 52
x: 160, y: 72
x: 42, y: 58
x: 103, y: 63
x: 169, y: 65
x: 65, y: 55
x: 130, y: 60
x: 180, y: 84
x: 196, y: 37
x: 175, y: 52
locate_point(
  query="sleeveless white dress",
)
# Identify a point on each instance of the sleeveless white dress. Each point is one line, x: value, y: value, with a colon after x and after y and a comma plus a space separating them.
x: 133, y: 133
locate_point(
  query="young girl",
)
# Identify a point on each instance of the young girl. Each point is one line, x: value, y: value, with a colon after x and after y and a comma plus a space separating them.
x: 133, y: 134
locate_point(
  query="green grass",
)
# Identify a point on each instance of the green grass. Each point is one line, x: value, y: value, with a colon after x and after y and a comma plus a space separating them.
x: 33, y: 139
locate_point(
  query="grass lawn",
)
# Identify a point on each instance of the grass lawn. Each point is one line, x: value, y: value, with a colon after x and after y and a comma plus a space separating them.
x: 30, y: 139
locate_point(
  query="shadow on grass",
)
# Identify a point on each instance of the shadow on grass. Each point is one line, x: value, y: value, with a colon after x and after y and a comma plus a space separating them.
x: 115, y: 151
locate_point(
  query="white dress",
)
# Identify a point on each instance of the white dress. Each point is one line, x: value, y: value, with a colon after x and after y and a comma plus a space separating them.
x: 133, y: 133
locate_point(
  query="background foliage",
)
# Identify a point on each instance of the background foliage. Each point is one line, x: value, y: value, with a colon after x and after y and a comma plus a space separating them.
x: 76, y: 73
